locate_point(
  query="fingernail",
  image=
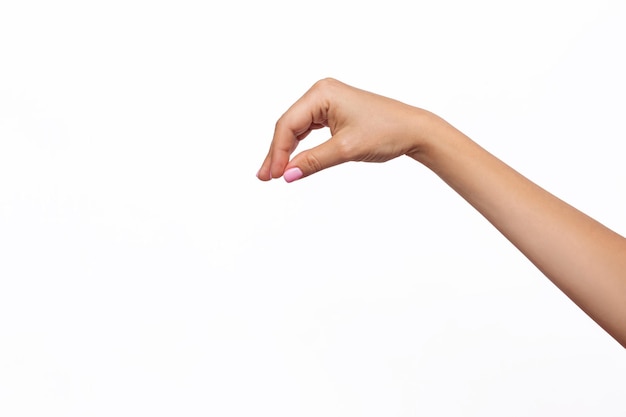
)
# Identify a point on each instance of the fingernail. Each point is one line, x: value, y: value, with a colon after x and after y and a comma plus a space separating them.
x: 292, y: 174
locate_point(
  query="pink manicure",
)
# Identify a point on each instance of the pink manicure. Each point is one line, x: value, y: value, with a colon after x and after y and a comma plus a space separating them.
x: 292, y: 174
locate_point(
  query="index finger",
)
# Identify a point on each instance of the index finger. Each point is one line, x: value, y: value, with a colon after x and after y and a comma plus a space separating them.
x: 306, y: 114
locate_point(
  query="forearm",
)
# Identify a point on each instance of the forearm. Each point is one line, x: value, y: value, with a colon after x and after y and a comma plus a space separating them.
x: 583, y: 258
x: 586, y: 260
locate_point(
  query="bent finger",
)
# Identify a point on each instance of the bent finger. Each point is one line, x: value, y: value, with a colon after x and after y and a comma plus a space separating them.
x: 306, y: 114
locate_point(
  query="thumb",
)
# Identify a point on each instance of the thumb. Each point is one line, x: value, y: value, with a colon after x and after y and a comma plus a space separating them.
x: 313, y: 160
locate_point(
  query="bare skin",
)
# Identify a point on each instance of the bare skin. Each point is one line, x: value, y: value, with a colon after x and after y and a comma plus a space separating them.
x: 582, y: 257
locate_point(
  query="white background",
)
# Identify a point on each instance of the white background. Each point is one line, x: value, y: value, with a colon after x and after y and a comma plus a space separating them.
x: 144, y: 270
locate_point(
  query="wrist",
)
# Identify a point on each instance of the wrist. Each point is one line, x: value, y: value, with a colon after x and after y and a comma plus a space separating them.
x: 428, y: 133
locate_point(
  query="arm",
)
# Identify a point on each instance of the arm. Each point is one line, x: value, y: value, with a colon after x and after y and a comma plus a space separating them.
x: 583, y: 258
x: 586, y: 260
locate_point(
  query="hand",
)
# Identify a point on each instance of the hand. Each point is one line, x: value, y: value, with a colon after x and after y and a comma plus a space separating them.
x: 583, y: 258
x: 364, y: 127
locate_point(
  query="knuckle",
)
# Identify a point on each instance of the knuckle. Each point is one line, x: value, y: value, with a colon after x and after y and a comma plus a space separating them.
x: 313, y: 163
x: 279, y: 123
x: 325, y: 83
x: 345, y: 149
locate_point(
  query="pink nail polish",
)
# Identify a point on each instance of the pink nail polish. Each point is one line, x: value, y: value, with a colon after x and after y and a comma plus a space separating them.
x: 292, y: 174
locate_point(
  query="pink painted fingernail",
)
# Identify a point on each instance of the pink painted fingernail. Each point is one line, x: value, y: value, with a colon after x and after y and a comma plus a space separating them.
x: 292, y: 174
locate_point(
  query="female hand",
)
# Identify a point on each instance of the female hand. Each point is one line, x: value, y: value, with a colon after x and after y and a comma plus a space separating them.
x: 364, y: 127
x: 584, y: 258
